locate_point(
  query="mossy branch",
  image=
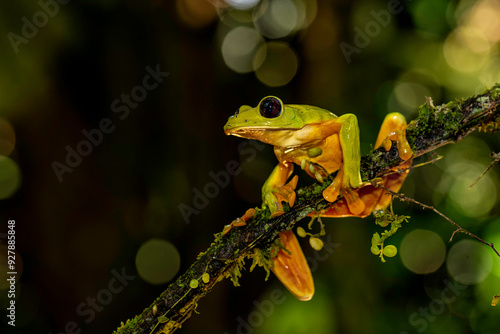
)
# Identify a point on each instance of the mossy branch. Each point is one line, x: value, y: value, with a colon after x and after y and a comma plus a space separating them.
x: 434, y: 127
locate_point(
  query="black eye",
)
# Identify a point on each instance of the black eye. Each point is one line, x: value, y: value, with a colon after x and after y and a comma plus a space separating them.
x: 270, y: 107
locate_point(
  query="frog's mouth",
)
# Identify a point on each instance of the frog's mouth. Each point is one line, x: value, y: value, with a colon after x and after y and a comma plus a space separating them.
x: 246, y: 132
x: 272, y: 136
x: 258, y: 132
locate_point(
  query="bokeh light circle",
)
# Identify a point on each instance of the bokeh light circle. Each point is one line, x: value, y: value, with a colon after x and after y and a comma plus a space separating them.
x: 410, y: 95
x: 484, y: 17
x: 469, y: 262
x: 196, y: 13
x: 279, y: 65
x: 478, y: 200
x: 10, y: 177
x: 466, y: 50
x: 242, y: 4
x: 430, y: 16
x: 278, y: 18
x: 157, y: 261
x: 422, y: 251
x: 239, y: 47
x: 7, y: 137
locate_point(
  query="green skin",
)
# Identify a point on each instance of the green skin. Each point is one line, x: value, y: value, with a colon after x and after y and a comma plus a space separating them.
x: 307, y: 136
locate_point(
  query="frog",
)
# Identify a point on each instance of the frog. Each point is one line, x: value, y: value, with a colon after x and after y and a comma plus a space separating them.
x: 321, y: 143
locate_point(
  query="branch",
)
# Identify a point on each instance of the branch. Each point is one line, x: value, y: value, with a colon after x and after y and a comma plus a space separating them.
x: 433, y: 128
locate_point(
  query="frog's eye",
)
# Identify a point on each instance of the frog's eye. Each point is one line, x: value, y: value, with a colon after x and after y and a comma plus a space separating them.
x: 270, y: 107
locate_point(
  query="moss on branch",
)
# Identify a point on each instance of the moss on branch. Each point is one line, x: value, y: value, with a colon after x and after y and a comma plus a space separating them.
x: 434, y: 127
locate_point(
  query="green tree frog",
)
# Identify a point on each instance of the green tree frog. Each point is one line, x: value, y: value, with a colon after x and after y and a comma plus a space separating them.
x: 321, y: 143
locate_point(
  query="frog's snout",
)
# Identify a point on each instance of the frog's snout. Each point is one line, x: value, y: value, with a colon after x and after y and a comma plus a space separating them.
x: 238, y: 121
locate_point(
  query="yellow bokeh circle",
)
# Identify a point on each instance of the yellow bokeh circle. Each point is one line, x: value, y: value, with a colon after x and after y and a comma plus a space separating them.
x: 157, y: 261
x: 422, y: 251
x: 469, y: 262
x: 10, y: 177
x: 278, y: 66
x: 239, y: 48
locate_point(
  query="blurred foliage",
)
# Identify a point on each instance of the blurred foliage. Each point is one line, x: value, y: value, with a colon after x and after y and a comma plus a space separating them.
x: 65, y: 64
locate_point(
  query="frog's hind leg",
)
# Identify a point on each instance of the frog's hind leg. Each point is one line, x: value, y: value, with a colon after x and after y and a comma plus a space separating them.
x: 393, y: 129
x: 291, y: 268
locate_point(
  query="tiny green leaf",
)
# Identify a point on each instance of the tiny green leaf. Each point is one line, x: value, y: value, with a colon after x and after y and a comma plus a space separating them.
x: 301, y: 232
x: 375, y: 250
x: 390, y: 251
x: 316, y: 243
x: 205, y: 278
x: 193, y: 283
x: 162, y: 319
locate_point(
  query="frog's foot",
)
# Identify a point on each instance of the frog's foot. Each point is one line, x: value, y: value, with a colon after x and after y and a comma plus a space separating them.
x: 332, y: 192
x: 242, y: 221
x: 285, y: 193
x: 394, y: 129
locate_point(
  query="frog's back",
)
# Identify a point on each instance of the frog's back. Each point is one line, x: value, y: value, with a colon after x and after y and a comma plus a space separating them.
x: 311, y: 114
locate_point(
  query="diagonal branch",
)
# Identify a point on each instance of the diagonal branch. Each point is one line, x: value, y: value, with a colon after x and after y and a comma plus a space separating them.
x: 434, y: 127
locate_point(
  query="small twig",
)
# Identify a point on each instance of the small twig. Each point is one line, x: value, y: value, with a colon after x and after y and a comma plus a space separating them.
x: 459, y: 229
x: 431, y: 160
x: 494, y: 155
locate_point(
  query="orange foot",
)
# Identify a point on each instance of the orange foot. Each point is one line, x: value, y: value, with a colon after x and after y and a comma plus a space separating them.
x: 285, y: 193
x: 242, y: 221
x: 332, y: 192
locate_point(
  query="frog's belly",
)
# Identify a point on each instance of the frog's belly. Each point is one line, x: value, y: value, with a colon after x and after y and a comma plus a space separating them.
x: 330, y: 158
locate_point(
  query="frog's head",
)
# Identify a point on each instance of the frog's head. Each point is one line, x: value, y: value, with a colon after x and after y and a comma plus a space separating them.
x: 272, y: 121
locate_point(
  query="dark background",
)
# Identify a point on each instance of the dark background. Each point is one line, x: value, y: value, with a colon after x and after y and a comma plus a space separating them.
x: 72, y: 237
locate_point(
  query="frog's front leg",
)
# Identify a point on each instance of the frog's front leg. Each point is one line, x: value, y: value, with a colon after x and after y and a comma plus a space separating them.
x: 275, y: 189
x: 349, y: 175
x: 393, y: 129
